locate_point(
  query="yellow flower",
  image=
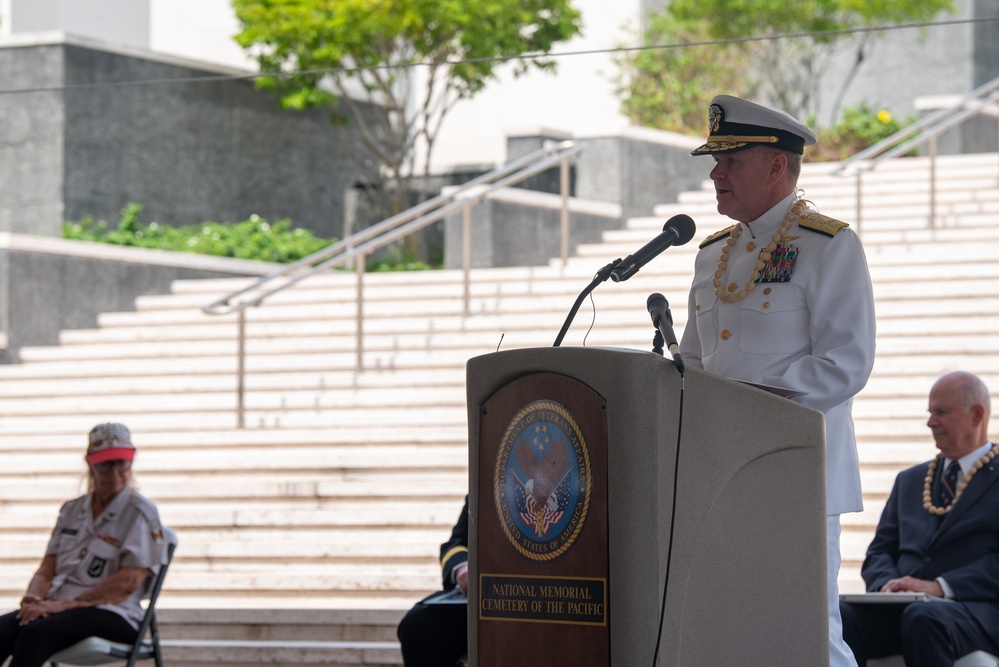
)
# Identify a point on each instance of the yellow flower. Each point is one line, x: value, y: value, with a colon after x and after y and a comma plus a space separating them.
x: 884, y: 116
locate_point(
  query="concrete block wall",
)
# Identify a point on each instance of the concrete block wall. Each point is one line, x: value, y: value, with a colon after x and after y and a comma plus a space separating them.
x: 522, y: 228
x: 47, y: 285
x: 82, y: 143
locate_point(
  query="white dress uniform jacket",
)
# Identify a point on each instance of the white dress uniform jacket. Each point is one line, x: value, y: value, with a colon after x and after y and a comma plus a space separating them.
x: 128, y: 533
x: 813, y: 333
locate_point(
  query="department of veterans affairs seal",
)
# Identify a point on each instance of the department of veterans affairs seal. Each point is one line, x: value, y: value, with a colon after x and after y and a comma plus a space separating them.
x: 542, y: 481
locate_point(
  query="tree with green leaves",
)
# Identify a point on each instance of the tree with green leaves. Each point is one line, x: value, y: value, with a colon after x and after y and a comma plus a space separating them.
x: 670, y: 88
x: 396, y: 66
x: 785, y: 71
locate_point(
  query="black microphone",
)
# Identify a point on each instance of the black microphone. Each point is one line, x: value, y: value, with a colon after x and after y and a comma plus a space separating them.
x: 663, y: 320
x: 678, y: 230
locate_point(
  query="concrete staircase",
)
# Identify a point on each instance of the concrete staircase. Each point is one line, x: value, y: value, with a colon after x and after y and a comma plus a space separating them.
x: 244, y: 637
x: 318, y: 523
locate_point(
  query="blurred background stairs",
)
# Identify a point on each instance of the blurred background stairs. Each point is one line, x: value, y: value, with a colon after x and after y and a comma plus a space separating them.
x: 305, y: 535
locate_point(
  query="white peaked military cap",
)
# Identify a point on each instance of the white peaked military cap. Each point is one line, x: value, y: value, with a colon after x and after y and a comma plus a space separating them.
x: 735, y: 124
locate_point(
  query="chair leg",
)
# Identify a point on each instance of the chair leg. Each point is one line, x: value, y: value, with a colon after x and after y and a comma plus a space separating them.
x: 154, y: 634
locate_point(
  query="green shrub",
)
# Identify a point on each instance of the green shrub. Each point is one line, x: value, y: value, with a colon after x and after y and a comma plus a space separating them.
x: 859, y: 127
x: 254, y: 238
x: 404, y: 260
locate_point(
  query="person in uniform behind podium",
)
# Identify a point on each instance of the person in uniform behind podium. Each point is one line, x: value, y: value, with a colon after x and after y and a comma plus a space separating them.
x: 784, y: 297
x: 938, y: 534
x: 436, y: 635
x: 104, y: 553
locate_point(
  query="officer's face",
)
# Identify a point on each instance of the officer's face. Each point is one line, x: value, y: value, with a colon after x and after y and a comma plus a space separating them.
x: 744, y: 184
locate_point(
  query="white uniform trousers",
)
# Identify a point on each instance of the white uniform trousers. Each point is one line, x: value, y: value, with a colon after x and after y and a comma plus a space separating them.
x: 840, y: 654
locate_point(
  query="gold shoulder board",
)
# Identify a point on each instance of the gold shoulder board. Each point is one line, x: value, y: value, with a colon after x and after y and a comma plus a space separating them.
x: 717, y: 236
x: 822, y: 224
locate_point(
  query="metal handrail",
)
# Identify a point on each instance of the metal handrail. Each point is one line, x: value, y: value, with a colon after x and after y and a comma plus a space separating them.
x: 979, y: 101
x: 358, y: 246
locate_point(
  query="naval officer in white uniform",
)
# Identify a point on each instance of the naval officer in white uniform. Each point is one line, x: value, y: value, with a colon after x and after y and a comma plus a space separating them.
x: 784, y: 297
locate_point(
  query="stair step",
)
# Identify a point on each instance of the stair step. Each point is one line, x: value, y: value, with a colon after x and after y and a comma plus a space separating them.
x: 364, y: 625
x: 192, y: 653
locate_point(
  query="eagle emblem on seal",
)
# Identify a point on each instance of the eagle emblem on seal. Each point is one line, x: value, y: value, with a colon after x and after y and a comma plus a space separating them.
x: 542, y: 481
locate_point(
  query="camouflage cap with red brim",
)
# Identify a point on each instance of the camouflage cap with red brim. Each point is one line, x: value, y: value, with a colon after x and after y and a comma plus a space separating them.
x: 110, y: 442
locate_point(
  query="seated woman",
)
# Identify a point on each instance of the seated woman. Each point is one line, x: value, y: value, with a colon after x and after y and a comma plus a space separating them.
x: 105, y: 550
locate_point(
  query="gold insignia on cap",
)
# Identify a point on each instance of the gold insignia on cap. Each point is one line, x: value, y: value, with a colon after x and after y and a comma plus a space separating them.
x: 713, y: 146
x: 715, y: 116
x: 723, y: 143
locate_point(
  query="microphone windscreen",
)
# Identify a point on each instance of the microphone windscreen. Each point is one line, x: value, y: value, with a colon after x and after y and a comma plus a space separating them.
x: 656, y: 299
x: 684, y: 227
x: 658, y: 308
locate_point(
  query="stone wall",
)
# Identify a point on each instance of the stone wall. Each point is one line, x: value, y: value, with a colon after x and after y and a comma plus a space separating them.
x: 522, y: 228
x: 88, y: 142
x: 47, y: 285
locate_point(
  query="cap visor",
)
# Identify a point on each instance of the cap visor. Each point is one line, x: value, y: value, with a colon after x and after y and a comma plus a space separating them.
x: 111, y: 454
x: 713, y: 147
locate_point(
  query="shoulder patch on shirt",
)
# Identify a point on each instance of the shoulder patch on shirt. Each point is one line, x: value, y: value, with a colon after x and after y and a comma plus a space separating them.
x: 822, y: 224
x: 717, y: 236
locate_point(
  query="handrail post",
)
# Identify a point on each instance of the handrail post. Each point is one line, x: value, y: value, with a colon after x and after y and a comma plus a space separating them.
x: 933, y: 182
x: 859, y: 196
x: 241, y: 370
x: 359, y: 328
x: 466, y: 256
x: 564, y: 190
x: 361, y: 243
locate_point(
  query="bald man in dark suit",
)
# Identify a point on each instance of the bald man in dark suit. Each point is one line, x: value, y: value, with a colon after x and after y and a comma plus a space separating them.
x: 938, y: 534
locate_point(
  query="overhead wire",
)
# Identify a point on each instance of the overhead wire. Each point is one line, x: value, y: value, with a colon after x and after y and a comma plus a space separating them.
x: 491, y: 59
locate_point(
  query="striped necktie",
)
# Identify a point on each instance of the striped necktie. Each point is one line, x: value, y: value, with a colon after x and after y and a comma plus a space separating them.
x: 947, y: 487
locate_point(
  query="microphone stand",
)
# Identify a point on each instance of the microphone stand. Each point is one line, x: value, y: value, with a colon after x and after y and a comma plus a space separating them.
x: 601, y: 276
x: 657, y: 342
x: 661, y: 334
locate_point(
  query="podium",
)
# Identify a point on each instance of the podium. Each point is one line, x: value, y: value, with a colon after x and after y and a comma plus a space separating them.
x: 573, y: 455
